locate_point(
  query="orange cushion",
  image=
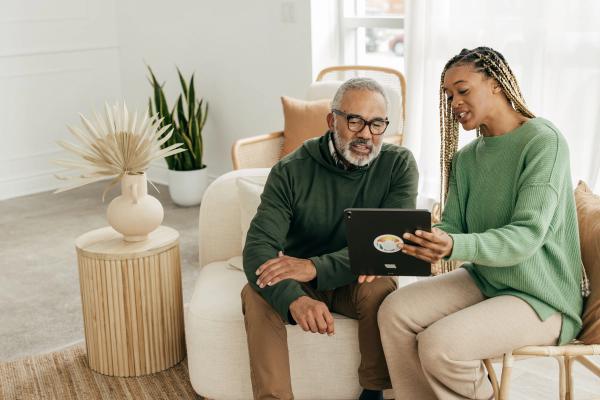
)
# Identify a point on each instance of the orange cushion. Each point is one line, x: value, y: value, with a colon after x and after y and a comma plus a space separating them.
x: 588, y: 215
x: 303, y: 120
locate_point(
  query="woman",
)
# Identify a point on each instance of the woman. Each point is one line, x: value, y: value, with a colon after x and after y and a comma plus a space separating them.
x: 510, y: 215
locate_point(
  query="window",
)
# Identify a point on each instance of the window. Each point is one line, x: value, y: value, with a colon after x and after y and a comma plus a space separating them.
x: 372, y: 32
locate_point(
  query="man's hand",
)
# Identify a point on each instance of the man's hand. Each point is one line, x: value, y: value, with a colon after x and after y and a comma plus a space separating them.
x: 312, y: 315
x: 285, y: 267
x: 432, y: 247
x: 367, y: 278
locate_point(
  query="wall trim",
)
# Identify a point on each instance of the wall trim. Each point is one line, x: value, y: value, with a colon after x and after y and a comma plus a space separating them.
x: 58, y: 50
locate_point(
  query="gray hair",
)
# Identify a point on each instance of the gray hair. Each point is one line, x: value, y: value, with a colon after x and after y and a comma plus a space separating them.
x: 358, y: 84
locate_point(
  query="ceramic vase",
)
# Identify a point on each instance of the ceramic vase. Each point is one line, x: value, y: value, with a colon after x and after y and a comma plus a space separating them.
x: 135, y: 213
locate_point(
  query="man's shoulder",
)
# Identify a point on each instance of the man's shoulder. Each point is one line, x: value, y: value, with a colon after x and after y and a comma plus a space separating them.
x: 294, y: 159
x: 394, y: 151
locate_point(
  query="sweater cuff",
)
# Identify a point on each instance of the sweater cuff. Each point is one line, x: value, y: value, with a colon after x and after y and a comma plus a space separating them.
x: 321, y: 272
x: 287, y: 298
x: 325, y: 278
x: 464, y: 248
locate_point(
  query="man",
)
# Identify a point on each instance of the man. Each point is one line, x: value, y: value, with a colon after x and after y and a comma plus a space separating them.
x: 296, y: 256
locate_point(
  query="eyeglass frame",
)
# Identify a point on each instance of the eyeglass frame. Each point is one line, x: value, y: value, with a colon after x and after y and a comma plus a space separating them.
x: 364, y: 121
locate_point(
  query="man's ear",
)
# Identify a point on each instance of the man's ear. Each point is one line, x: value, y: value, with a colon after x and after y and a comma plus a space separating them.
x: 330, y: 121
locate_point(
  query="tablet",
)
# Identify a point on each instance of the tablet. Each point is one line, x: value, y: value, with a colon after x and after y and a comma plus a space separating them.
x: 375, y: 237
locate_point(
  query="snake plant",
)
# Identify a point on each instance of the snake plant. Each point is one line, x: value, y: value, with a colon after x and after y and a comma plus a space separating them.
x: 187, y: 119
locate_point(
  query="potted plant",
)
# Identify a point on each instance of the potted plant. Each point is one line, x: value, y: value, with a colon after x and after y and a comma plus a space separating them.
x: 121, y: 146
x: 187, y: 172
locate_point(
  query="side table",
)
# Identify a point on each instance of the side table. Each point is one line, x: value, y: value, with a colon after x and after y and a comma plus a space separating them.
x: 132, y: 301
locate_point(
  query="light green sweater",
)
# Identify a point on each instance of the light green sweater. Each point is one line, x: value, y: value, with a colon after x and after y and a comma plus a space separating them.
x: 511, y: 213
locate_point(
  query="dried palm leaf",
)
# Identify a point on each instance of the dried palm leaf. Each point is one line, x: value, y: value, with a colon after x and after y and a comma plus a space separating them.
x: 115, y: 144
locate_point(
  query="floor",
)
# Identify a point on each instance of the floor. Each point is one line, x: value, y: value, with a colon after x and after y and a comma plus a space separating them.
x: 40, y: 306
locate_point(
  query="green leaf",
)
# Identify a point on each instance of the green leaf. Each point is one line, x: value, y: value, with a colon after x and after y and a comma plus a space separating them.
x: 191, y: 100
x: 205, y: 114
x: 183, y: 83
x: 193, y: 134
x: 183, y: 122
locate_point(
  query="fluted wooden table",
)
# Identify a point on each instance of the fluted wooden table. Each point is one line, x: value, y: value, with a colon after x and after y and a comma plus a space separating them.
x: 132, y: 301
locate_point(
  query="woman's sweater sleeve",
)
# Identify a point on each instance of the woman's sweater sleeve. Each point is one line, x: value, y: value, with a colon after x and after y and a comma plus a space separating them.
x: 533, y: 213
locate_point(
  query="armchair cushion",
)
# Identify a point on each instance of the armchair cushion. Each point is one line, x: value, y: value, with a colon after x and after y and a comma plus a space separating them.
x: 303, y: 120
x: 249, y: 191
x: 588, y: 215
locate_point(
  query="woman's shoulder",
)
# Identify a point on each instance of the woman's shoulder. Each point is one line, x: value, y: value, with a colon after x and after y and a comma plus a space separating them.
x: 542, y: 129
x: 542, y: 134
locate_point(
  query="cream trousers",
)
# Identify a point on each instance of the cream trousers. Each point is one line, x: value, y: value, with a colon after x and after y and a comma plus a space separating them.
x: 436, y: 332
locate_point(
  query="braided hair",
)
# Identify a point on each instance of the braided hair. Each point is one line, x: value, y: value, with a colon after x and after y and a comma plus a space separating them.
x: 493, y: 65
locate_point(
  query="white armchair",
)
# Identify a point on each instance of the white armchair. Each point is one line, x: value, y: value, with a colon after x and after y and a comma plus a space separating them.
x: 215, y: 334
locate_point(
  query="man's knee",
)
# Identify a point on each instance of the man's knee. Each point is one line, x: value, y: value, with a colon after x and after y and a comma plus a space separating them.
x: 252, y: 300
x: 370, y: 295
x: 255, y: 307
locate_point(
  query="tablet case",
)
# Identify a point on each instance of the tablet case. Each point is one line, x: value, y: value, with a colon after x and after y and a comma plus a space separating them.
x: 374, y: 236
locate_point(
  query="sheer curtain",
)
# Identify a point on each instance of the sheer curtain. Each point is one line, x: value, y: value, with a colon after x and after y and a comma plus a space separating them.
x: 552, y: 46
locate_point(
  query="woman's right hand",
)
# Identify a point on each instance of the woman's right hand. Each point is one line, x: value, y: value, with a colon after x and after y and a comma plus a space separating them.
x: 431, y: 246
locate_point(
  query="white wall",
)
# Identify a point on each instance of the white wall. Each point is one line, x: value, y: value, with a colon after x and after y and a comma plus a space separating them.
x: 57, y: 58
x: 62, y: 57
x: 245, y: 54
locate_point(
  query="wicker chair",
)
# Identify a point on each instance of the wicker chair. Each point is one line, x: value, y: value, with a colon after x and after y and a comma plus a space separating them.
x: 244, y: 151
x: 567, y: 354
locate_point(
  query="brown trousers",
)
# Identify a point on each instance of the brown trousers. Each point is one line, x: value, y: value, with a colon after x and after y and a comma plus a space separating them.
x: 267, y: 336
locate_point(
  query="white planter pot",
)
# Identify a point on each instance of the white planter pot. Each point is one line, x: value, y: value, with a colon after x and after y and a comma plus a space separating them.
x: 187, y: 187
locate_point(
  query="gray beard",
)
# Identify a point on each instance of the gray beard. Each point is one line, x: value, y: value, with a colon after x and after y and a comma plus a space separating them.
x: 343, y: 149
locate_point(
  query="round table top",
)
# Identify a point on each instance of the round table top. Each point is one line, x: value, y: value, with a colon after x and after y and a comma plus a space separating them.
x: 107, y: 241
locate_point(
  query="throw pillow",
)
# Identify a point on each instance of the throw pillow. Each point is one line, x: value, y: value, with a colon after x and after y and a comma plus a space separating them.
x: 249, y: 191
x: 588, y: 215
x: 303, y: 120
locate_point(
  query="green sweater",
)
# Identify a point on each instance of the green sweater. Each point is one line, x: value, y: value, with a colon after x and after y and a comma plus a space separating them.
x: 301, y: 213
x: 511, y: 213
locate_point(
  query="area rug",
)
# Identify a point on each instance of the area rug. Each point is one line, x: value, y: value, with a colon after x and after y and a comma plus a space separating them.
x: 65, y: 375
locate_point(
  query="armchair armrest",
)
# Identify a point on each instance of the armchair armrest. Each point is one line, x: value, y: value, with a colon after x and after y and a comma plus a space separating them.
x: 261, y: 151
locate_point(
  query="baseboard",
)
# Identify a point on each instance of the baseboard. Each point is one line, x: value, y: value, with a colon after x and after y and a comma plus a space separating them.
x: 25, y: 185
x: 29, y: 184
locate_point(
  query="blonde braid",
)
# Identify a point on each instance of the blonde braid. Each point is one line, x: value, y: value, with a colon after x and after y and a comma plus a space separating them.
x: 491, y: 63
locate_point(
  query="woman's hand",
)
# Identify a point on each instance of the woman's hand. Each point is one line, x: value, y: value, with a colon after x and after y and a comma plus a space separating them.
x: 432, y: 246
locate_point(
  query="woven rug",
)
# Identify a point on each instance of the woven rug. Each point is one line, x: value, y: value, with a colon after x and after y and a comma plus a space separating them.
x: 65, y: 375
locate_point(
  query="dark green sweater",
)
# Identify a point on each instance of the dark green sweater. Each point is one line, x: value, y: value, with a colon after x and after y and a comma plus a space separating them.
x: 511, y: 213
x: 301, y: 213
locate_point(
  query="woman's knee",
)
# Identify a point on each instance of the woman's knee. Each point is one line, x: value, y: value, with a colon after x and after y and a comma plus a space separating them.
x: 393, y: 311
x: 433, y: 346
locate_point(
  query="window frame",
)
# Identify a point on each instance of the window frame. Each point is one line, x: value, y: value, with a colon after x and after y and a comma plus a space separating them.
x: 351, y: 43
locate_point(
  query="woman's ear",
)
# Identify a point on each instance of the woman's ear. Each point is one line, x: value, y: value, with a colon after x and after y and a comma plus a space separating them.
x: 496, y: 88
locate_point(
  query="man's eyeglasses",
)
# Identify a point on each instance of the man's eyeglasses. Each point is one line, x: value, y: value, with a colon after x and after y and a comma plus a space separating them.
x: 356, y: 123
